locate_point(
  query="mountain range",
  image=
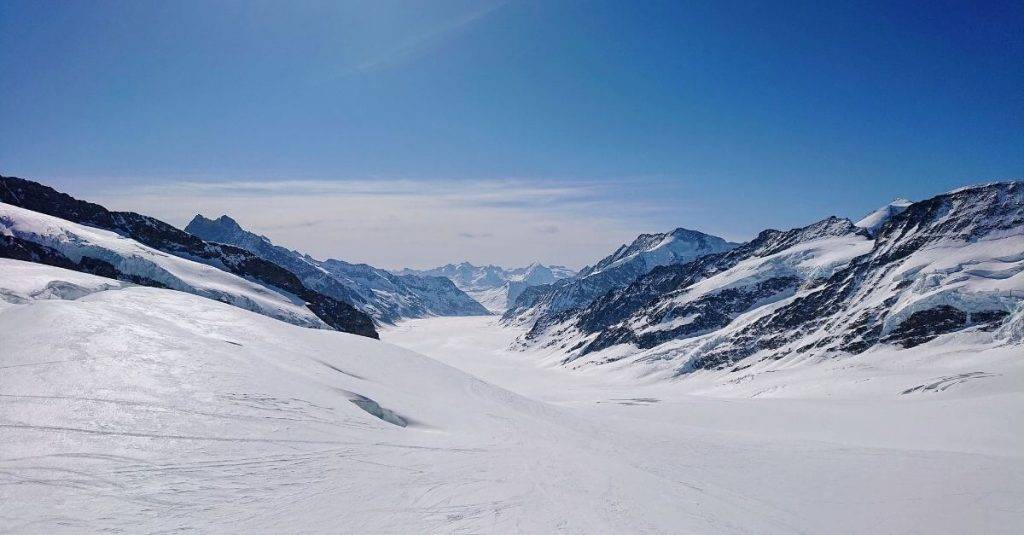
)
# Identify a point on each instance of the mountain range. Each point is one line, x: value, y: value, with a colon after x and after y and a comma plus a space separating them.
x: 216, y: 259
x: 493, y: 286
x: 902, y: 276
x: 385, y: 296
x: 25, y: 234
x: 669, y: 303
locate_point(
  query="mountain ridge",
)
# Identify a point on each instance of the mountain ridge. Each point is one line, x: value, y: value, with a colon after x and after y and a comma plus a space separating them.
x: 623, y: 266
x: 381, y: 294
x: 161, y: 236
x: 951, y: 263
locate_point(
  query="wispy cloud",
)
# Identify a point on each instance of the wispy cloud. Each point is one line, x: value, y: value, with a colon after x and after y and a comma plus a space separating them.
x: 426, y: 40
x: 475, y: 235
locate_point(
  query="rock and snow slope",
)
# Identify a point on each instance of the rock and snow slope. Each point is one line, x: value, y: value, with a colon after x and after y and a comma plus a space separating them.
x: 951, y: 263
x: 142, y: 409
x: 493, y: 286
x: 155, y: 234
x: 625, y: 265
x: 385, y: 296
x: 33, y: 236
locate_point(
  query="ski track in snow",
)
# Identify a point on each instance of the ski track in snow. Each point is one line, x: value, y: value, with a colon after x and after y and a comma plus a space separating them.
x: 145, y: 410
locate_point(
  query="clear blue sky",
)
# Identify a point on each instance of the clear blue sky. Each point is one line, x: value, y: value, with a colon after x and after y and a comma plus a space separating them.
x: 641, y: 116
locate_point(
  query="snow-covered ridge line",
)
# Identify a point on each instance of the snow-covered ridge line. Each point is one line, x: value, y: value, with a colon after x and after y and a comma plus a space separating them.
x: 983, y: 185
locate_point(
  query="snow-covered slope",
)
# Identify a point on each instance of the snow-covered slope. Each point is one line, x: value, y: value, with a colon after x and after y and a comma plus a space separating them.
x: 625, y: 265
x: 40, y: 237
x: 920, y: 440
x: 146, y: 410
x: 153, y: 233
x: 383, y: 295
x: 948, y: 264
x: 493, y: 286
x: 137, y: 409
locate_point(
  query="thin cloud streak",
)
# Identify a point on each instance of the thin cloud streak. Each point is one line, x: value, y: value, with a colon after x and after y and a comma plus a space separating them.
x: 418, y: 44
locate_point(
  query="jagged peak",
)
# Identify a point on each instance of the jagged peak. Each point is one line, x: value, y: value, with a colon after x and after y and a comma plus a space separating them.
x: 222, y: 221
x: 228, y: 221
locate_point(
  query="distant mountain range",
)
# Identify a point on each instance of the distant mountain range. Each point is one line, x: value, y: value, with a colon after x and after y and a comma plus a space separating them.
x: 381, y: 294
x: 493, y: 286
x: 904, y: 275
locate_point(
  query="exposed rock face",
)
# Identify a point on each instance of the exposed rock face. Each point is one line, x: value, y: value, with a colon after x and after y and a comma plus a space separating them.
x: 383, y: 295
x: 159, y: 235
x: 947, y: 264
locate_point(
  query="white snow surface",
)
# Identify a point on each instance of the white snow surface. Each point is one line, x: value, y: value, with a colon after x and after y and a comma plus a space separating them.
x: 133, y: 258
x: 126, y: 408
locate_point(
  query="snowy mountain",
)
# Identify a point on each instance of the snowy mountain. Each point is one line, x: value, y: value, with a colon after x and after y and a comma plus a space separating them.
x: 384, y: 296
x: 953, y: 263
x: 493, y: 286
x: 43, y: 225
x: 38, y: 237
x: 626, y: 264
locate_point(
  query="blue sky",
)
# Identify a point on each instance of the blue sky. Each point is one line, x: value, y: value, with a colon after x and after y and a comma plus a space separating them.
x: 415, y: 133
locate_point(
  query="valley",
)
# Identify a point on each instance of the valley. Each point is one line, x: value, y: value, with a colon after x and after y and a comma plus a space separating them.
x: 837, y: 377
x: 828, y: 451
